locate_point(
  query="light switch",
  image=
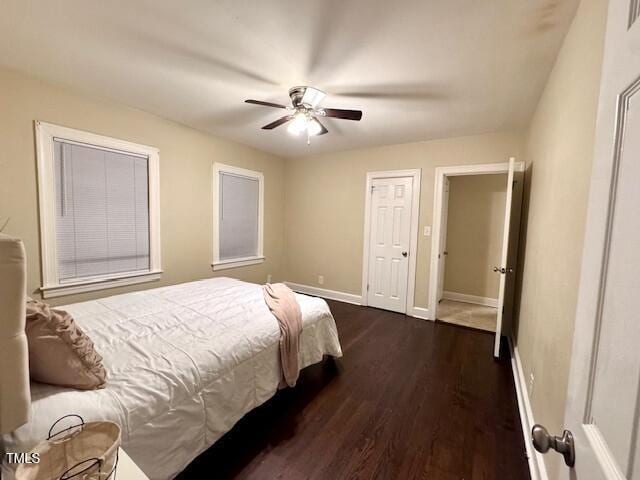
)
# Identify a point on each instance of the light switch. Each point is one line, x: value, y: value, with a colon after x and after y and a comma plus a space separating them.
x: 427, y: 231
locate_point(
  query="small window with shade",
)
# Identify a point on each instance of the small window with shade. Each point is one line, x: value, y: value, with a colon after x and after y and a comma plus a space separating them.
x: 238, y: 217
x: 99, y: 211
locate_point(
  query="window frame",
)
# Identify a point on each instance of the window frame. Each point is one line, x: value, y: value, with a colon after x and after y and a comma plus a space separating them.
x: 51, y: 286
x: 217, y: 263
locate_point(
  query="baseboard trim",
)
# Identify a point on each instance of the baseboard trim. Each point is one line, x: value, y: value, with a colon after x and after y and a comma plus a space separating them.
x: 419, y: 312
x: 537, y: 467
x: 324, y: 293
x: 463, y: 297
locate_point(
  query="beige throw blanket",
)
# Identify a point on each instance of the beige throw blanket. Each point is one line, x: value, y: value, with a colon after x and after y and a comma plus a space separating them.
x: 284, y: 306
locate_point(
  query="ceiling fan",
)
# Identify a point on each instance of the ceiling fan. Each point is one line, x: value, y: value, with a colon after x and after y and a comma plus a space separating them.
x: 305, y: 111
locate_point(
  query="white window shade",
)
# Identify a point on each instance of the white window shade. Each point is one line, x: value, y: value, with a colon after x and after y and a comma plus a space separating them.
x: 102, y: 211
x: 239, y: 215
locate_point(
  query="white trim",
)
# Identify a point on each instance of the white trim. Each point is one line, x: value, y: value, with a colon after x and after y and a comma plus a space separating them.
x: 51, y: 286
x: 603, y: 453
x: 479, y: 169
x: 216, y: 263
x: 537, y: 467
x: 416, y: 312
x: 440, y: 174
x: 416, y: 174
x: 463, y: 297
x: 236, y: 262
x: 100, y: 284
x: 419, y: 312
x: 324, y: 293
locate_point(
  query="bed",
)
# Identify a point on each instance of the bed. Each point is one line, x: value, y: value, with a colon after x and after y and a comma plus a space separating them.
x: 185, y: 363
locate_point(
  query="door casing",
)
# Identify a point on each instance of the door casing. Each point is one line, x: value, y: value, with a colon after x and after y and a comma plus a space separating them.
x: 443, y: 237
x: 438, y: 219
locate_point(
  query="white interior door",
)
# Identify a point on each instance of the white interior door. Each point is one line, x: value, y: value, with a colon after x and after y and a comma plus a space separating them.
x: 509, y: 255
x: 603, y: 406
x: 389, y: 240
x: 442, y: 254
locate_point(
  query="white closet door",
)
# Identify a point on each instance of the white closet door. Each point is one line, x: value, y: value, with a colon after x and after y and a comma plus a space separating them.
x: 389, y: 242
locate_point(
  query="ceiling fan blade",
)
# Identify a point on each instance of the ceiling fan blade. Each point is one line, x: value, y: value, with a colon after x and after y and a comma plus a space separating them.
x: 264, y: 104
x: 344, y: 114
x: 277, y: 123
x: 312, y: 97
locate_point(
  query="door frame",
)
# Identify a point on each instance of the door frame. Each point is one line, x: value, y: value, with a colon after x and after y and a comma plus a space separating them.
x: 440, y: 174
x: 443, y: 233
x: 416, y: 174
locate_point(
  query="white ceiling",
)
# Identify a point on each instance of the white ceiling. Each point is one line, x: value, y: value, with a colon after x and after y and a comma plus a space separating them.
x: 419, y: 69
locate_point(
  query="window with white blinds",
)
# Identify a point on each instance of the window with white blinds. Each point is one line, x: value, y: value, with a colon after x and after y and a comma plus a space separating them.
x: 102, y: 211
x: 238, y: 208
x: 99, y: 211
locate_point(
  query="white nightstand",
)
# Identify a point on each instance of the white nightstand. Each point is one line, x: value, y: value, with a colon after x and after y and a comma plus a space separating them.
x: 127, y: 470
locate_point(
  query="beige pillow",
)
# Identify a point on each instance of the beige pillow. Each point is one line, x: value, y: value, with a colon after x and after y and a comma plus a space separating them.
x: 59, y: 352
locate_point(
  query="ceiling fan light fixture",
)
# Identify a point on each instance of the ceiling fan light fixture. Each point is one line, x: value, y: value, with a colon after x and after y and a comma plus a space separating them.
x: 305, y: 111
x: 312, y: 97
x: 298, y: 124
x: 313, y: 127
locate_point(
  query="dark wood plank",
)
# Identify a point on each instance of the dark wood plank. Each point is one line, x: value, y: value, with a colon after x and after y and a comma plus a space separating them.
x: 410, y: 399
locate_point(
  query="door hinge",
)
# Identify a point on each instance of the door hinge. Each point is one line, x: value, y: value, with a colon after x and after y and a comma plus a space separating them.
x: 367, y: 287
x: 373, y: 187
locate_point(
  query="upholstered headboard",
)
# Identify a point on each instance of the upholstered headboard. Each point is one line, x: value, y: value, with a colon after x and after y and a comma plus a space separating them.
x: 15, y: 395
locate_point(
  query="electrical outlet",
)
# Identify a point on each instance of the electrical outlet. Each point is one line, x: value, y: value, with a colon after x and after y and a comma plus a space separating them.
x: 269, y: 278
x: 427, y: 231
x: 531, y: 383
x: 321, y: 279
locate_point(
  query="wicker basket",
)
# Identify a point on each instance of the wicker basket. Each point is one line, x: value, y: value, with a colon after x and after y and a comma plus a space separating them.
x: 83, y: 451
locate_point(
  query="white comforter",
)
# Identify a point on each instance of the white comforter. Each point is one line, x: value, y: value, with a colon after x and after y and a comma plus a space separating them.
x: 185, y: 363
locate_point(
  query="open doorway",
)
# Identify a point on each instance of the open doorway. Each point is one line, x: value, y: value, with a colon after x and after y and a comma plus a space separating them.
x: 473, y: 224
x: 471, y: 249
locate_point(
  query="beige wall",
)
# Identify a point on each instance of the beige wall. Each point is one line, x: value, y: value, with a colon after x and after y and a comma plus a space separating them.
x: 325, y: 197
x: 186, y: 156
x: 559, y: 157
x: 474, y: 234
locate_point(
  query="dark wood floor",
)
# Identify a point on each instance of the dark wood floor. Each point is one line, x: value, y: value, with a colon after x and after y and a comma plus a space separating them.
x: 409, y: 399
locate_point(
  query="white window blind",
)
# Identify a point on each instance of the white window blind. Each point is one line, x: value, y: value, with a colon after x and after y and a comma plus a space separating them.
x: 102, y: 211
x: 239, y: 212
